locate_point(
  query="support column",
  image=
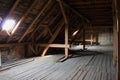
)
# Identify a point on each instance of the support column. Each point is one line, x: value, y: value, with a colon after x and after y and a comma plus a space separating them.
x: 83, y: 38
x: 66, y: 41
x: 0, y: 59
x: 116, y: 29
x: 66, y: 27
x: 91, y: 39
x: 96, y: 38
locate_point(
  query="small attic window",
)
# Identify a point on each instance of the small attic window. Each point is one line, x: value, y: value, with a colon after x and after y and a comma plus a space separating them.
x: 75, y: 33
x: 8, y: 25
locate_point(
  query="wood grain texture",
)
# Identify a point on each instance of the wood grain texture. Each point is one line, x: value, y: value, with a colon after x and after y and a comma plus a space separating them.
x: 88, y: 67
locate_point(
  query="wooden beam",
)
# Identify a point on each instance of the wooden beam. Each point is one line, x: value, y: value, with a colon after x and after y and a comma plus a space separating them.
x: 49, y: 25
x: 63, y: 12
x: 66, y: 27
x: 91, y: 39
x: 53, y: 45
x: 34, y: 32
x: 38, y: 44
x: 116, y: 28
x: 77, y: 13
x: 91, y: 36
x: 83, y: 38
x: 53, y: 37
x: 0, y: 59
x: 21, y: 19
x: 13, y: 7
x: 47, y: 4
x: 32, y: 49
x: 96, y: 37
x: 42, y: 25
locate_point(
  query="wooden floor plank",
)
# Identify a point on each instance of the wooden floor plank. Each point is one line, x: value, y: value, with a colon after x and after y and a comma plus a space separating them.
x: 87, y: 67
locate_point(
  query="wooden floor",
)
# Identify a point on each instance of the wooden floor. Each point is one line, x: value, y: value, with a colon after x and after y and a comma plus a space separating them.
x: 86, y: 67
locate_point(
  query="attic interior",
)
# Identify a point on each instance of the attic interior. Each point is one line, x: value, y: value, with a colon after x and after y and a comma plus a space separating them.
x: 59, y: 40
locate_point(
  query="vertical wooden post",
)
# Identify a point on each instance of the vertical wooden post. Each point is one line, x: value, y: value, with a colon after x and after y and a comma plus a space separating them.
x: 116, y: 29
x: 96, y: 38
x: 118, y: 56
x: 66, y: 41
x: 66, y: 27
x: 91, y: 39
x: 83, y: 38
x: 0, y: 58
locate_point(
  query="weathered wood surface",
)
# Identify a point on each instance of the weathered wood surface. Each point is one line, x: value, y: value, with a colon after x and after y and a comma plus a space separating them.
x: 88, y: 67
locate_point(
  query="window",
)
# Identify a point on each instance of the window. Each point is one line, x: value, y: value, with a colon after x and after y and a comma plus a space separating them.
x: 8, y: 25
x: 75, y: 33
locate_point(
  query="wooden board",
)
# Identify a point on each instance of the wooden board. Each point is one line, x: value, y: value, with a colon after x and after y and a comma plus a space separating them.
x: 87, y: 67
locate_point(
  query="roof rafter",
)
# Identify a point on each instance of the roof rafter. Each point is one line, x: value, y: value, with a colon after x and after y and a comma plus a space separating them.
x: 47, y: 4
x: 49, y: 25
x: 40, y: 24
x: 21, y: 19
x: 77, y: 13
x: 12, y: 9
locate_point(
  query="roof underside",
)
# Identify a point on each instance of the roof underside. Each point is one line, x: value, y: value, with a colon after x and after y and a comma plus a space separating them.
x: 39, y: 19
x: 99, y: 12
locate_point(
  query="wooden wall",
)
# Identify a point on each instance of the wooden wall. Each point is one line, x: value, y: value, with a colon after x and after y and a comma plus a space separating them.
x: 105, y: 37
x: 11, y: 54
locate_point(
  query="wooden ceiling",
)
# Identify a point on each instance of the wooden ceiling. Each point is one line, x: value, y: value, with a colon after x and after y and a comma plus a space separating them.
x: 99, y: 12
x: 40, y: 19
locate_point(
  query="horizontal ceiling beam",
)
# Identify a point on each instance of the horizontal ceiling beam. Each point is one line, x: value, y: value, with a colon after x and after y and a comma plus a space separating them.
x: 39, y: 44
x: 54, y: 45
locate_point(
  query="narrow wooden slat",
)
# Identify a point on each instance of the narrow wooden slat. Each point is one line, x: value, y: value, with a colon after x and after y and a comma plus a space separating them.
x: 47, y: 4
